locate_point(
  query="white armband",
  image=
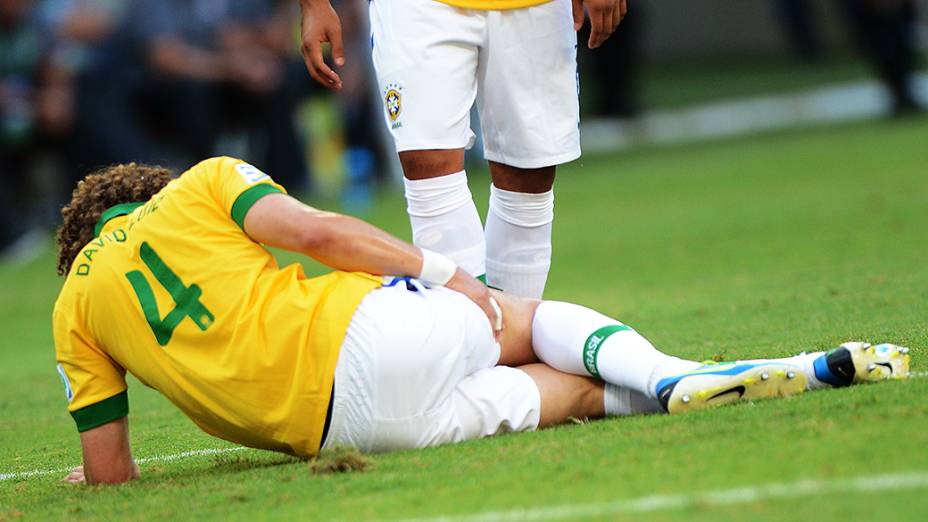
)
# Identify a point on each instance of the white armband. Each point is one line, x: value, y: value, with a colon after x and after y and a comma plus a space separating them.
x: 437, y: 269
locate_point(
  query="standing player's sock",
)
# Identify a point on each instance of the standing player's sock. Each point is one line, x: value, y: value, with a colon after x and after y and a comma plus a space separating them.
x: 577, y: 340
x: 618, y: 401
x: 518, y: 235
x: 444, y: 219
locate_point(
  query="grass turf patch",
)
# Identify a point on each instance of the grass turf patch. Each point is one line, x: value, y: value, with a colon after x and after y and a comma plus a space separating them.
x: 759, y: 246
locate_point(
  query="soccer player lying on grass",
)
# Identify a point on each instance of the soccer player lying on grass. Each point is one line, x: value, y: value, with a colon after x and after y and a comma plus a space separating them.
x: 169, y: 279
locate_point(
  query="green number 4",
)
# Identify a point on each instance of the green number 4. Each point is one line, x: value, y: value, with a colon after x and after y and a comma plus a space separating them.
x: 186, y: 298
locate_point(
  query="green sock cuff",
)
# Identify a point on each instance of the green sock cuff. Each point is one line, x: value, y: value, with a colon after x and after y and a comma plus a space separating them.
x: 594, y: 342
x: 483, y: 279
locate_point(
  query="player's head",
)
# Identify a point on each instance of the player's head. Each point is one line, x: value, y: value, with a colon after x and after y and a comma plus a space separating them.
x: 97, y: 192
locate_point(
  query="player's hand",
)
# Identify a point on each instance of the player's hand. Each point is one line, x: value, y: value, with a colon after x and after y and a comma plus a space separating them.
x: 478, y: 293
x: 320, y: 24
x: 605, y: 16
x: 76, y: 476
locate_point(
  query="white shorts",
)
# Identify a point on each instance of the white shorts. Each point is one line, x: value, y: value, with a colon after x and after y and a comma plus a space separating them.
x: 417, y: 368
x: 433, y: 61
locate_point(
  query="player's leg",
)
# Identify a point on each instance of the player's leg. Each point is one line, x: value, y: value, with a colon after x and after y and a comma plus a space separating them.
x: 441, y: 209
x: 558, y: 335
x: 425, y: 56
x: 581, y: 341
x: 564, y: 396
x: 529, y: 112
x: 405, y: 352
x: 518, y: 228
x: 418, y: 368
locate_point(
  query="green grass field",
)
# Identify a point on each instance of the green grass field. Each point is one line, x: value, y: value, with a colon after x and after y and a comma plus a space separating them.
x: 765, y: 245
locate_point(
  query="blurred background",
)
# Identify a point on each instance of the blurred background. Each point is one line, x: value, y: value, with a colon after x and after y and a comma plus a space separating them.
x: 86, y: 83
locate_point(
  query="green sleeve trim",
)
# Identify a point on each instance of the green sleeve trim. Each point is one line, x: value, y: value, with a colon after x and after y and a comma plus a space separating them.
x: 245, y: 200
x: 115, y: 211
x: 100, y: 413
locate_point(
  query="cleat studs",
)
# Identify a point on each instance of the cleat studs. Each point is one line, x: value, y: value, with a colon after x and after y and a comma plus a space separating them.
x: 764, y: 376
x: 790, y: 374
x: 904, y: 350
x: 871, y: 367
x: 685, y: 399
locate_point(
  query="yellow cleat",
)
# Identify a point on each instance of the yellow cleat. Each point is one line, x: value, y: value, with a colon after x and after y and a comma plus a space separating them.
x: 713, y: 385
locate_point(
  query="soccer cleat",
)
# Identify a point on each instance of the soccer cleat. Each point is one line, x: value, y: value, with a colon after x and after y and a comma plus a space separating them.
x: 857, y: 362
x: 716, y: 384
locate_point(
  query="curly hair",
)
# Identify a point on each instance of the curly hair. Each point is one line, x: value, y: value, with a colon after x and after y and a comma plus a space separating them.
x: 97, y: 192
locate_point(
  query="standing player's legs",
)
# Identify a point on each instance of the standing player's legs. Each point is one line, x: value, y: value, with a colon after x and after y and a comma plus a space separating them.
x: 518, y: 229
x: 529, y: 111
x: 425, y: 54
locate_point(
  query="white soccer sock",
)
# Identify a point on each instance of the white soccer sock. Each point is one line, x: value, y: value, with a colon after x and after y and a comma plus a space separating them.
x: 618, y: 401
x: 578, y: 340
x: 444, y: 219
x: 518, y: 238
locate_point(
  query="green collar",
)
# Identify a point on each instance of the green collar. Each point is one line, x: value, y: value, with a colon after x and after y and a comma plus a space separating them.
x: 115, y: 211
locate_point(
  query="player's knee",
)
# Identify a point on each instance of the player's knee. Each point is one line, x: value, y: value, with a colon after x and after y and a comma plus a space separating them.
x: 424, y: 164
x: 515, y: 179
x: 516, y: 339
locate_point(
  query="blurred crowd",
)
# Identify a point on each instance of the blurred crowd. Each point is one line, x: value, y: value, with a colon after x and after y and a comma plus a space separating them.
x: 884, y: 31
x: 86, y: 83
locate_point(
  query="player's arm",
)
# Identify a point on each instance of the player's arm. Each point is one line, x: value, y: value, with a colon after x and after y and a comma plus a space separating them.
x: 352, y: 245
x: 95, y: 386
x: 107, y: 457
x: 319, y: 25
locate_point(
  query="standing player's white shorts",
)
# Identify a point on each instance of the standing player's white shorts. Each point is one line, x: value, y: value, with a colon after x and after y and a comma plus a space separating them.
x: 433, y: 61
x: 418, y: 368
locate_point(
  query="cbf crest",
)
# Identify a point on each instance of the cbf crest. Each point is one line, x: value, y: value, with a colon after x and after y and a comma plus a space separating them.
x: 393, y: 99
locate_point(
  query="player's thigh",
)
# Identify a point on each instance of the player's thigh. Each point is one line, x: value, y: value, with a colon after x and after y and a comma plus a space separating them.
x: 425, y: 56
x: 493, y: 401
x: 528, y: 84
x: 487, y: 402
x: 405, y: 352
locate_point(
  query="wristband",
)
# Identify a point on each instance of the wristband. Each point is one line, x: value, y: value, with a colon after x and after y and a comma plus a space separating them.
x: 437, y: 269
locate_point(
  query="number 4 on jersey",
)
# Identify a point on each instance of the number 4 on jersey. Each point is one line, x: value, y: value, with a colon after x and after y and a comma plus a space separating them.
x: 186, y: 298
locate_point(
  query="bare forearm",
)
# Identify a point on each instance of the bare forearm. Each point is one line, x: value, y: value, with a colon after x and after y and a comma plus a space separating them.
x: 349, y: 244
x: 341, y: 242
x: 107, y: 457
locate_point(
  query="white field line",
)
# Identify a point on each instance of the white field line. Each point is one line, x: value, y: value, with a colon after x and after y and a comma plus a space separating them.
x: 141, y: 461
x: 199, y: 453
x: 717, y: 498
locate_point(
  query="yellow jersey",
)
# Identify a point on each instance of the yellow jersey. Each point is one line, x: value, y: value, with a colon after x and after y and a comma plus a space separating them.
x: 175, y: 292
x: 493, y: 5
